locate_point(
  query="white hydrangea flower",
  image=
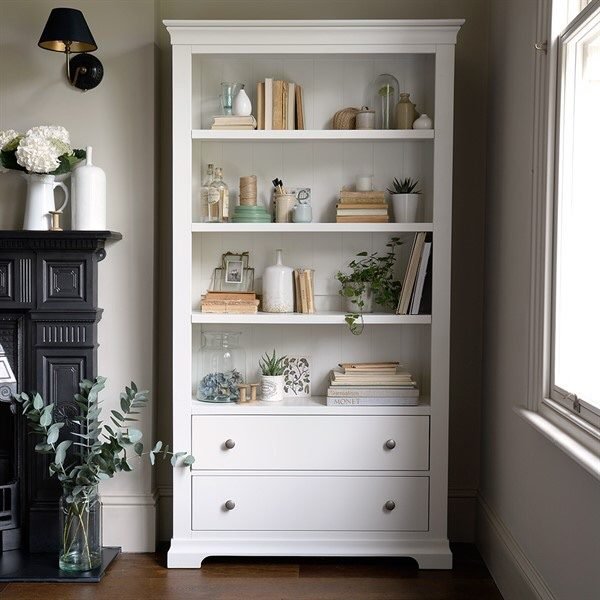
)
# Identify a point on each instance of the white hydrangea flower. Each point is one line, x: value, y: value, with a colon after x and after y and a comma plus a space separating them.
x: 56, y: 132
x: 38, y: 154
x: 7, y: 136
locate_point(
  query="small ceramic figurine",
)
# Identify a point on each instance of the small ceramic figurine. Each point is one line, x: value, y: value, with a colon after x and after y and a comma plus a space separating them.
x: 242, y: 107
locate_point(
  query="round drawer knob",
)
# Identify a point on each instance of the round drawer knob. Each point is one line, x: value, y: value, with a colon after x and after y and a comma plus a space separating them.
x: 390, y: 444
x: 229, y: 444
x: 390, y: 505
x: 230, y: 505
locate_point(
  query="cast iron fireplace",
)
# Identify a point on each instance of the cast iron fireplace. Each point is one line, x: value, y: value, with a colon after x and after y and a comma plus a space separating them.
x: 48, y: 338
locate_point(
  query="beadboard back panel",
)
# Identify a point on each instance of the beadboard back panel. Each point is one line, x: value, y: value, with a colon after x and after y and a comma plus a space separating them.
x: 329, y: 82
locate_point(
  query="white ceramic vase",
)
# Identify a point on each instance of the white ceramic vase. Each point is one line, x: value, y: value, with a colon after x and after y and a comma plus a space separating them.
x: 406, y: 207
x: 271, y: 388
x: 278, y: 287
x: 88, y: 194
x: 367, y: 300
x: 40, y: 201
x: 423, y: 122
x: 242, y: 107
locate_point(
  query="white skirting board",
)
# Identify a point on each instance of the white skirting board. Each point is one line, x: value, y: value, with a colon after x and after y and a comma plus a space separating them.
x: 129, y: 521
x: 515, y: 576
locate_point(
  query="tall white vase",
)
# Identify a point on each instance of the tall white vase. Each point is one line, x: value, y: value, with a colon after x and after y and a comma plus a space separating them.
x: 88, y: 196
x: 278, y: 287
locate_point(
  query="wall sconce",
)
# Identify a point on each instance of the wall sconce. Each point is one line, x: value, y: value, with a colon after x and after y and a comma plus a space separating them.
x: 66, y: 31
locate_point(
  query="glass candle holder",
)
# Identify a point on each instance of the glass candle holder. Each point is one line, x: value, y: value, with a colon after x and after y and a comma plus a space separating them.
x: 384, y: 98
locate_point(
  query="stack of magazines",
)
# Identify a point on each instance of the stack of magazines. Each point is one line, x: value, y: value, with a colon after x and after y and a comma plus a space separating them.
x: 371, y: 384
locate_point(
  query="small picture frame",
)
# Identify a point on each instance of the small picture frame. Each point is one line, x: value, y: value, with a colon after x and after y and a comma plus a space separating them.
x: 234, y: 271
x: 243, y: 257
x: 296, y: 376
x: 245, y: 283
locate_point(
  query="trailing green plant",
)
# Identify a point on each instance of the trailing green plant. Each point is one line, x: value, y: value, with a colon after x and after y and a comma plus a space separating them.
x: 272, y: 366
x: 370, y: 272
x: 404, y: 186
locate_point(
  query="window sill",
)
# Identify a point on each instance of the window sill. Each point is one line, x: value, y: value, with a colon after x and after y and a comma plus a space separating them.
x: 578, y: 451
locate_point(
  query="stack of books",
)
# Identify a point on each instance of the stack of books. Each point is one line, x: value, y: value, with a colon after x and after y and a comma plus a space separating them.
x: 415, y: 297
x: 279, y: 105
x: 371, y: 384
x: 233, y: 122
x: 304, y: 290
x: 239, y: 303
x: 362, y: 207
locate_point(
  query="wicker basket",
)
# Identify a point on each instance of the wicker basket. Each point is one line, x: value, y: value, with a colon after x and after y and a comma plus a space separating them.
x: 345, y: 118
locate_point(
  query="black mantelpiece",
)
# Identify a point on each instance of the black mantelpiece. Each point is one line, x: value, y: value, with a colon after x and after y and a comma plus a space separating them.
x: 48, y: 327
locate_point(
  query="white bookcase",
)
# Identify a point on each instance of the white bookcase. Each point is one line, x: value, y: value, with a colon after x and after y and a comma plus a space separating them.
x: 308, y: 479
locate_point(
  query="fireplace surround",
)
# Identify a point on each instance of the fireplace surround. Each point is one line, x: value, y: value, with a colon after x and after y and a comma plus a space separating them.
x: 48, y: 337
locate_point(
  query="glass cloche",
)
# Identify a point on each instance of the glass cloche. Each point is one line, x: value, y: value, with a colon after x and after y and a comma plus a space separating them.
x: 384, y: 94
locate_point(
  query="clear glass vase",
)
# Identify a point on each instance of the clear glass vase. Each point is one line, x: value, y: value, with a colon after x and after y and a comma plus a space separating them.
x: 81, y: 530
x: 222, y: 367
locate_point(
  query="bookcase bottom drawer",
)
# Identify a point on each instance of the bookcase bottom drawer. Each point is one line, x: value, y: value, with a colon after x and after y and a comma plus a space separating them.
x: 310, y: 503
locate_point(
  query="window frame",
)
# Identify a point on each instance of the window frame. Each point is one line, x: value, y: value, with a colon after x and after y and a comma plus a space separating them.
x: 554, y: 416
x: 588, y: 414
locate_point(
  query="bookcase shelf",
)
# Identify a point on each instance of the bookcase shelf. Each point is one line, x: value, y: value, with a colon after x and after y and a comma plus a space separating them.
x: 335, y: 63
x: 314, y: 134
x: 390, y: 228
x: 320, y: 318
x: 308, y: 405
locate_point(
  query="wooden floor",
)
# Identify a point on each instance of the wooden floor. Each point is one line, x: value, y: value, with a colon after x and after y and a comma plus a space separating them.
x: 144, y: 577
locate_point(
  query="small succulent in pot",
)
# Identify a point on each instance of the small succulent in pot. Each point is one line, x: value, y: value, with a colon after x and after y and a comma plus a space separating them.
x: 405, y: 199
x: 272, y: 380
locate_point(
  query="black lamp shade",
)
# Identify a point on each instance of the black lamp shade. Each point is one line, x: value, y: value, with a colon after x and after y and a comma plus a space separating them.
x: 67, y: 26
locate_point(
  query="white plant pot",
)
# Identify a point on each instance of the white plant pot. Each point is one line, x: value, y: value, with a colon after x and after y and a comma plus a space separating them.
x: 271, y: 388
x: 406, y: 207
x: 366, y: 297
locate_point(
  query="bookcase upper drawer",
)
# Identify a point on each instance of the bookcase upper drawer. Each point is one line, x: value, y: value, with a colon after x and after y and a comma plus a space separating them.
x: 307, y: 442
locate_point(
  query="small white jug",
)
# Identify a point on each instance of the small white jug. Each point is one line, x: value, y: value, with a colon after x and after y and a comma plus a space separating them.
x: 40, y: 201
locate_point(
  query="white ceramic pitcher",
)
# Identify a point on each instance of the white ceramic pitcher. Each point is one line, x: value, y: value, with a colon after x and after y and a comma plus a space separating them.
x: 40, y: 201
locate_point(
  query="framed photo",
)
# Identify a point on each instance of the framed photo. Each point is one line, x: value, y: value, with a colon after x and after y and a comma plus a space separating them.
x: 303, y: 194
x: 243, y: 257
x: 245, y: 276
x: 234, y: 271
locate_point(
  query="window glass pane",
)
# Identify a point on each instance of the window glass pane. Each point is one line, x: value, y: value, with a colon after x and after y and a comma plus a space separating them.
x: 577, y: 279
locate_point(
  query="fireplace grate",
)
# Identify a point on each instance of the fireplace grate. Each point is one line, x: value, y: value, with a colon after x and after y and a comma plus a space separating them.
x: 8, y: 505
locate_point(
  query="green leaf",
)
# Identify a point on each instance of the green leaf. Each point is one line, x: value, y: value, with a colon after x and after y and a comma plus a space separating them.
x: 53, y: 433
x: 117, y: 415
x: 138, y: 448
x: 46, y: 419
x: 134, y: 435
x: 176, y: 457
x: 157, y: 447
x: 61, y: 451
x: 152, y: 458
x: 189, y: 460
x: 38, y: 403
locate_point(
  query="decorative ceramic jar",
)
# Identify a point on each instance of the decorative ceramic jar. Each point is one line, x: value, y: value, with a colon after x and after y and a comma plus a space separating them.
x: 405, y: 112
x: 271, y: 387
x: 364, y: 183
x: 40, y: 201
x: 406, y: 207
x: 302, y: 212
x: 222, y: 367
x: 88, y: 196
x: 278, y: 287
x: 81, y: 530
x: 365, y: 119
x: 385, y: 97
x: 423, y: 122
x: 242, y: 107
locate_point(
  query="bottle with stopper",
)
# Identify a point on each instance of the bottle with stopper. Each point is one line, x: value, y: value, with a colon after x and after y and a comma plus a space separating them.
x: 218, y: 198
x: 204, y: 212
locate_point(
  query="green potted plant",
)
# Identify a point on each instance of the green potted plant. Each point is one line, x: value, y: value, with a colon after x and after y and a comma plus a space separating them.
x: 371, y: 280
x: 272, y: 380
x: 405, y: 200
x: 94, y: 451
